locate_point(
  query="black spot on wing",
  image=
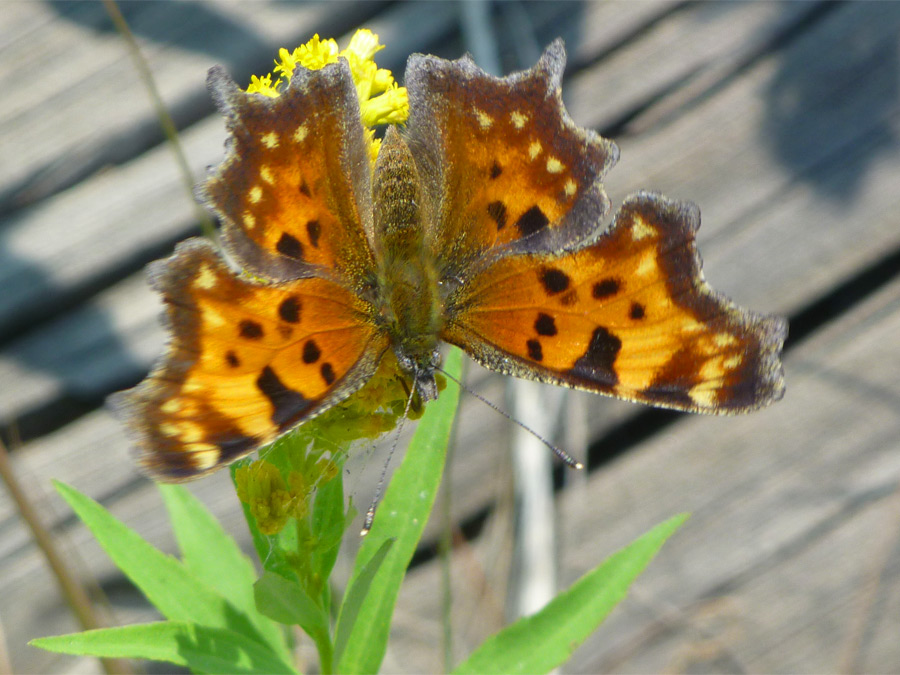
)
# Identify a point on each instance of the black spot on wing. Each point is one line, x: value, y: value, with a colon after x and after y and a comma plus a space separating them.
x: 496, y: 170
x: 533, y: 220
x: 311, y: 352
x: 637, y: 311
x: 287, y: 404
x: 668, y: 394
x: 327, y: 372
x: 600, y: 357
x: 606, y: 288
x: 232, y: 359
x: 234, y: 445
x: 289, y: 246
x: 304, y: 189
x: 250, y: 329
x: 497, y: 211
x: 545, y: 325
x: 289, y: 309
x: 554, y: 280
x: 535, y: 352
x: 314, y: 230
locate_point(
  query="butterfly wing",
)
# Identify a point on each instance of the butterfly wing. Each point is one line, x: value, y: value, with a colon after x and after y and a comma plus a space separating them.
x: 246, y: 361
x: 251, y: 356
x: 504, y: 167
x: 629, y: 315
x: 294, y: 193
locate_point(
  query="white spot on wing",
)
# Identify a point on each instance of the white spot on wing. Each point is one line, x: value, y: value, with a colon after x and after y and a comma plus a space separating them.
x: 554, y: 165
x: 484, y: 120
x: 270, y: 140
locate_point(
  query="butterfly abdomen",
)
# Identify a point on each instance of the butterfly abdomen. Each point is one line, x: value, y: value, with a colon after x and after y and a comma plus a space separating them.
x: 408, y: 298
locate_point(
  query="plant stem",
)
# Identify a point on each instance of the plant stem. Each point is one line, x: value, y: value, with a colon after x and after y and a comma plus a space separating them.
x: 326, y: 653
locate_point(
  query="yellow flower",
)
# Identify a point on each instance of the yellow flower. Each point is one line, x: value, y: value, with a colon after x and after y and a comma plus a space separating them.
x: 381, y: 99
x: 262, y: 85
x: 364, y: 44
x: 391, y: 107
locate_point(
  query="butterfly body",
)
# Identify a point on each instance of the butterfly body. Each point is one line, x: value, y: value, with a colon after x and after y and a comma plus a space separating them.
x: 480, y: 226
x: 408, y: 289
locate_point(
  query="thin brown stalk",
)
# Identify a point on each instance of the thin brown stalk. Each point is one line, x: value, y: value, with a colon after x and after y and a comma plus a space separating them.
x: 165, y: 119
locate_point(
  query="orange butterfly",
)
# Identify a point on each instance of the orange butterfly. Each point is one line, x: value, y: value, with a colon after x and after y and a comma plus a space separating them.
x: 481, y: 227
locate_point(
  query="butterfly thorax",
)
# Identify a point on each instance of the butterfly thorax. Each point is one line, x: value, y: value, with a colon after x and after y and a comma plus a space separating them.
x: 408, y: 299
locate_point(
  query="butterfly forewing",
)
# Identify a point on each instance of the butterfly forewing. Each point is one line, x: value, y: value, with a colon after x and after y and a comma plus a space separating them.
x: 294, y: 191
x: 504, y: 165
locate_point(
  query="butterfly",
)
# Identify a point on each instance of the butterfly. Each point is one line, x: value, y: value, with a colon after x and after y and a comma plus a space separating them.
x: 480, y: 226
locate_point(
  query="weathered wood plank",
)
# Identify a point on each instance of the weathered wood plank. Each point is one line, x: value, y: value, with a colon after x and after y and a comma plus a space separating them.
x: 693, y: 41
x: 87, y: 73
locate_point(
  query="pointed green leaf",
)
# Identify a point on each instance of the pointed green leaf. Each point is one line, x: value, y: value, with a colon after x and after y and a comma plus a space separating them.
x: 328, y: 525
x: 201, y: 648
x: 286, y: 602
x: 402, y: 515
x: 543, y: 641
x: 168, y: 585
x: 213, y: 557
x: 355, y: 597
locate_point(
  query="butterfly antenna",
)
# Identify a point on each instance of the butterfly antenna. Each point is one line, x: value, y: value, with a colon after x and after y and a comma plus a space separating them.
x: 559, y: 452
x: 370, y: 514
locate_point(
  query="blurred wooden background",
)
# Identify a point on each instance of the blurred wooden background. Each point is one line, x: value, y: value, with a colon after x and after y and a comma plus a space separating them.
x: 781, y: 120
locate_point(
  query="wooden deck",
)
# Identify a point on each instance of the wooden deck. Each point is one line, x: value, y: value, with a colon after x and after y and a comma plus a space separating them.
x: 781, y: 120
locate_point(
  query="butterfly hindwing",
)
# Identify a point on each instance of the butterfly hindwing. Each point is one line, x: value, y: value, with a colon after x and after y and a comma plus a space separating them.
x: 505, y: 167
x: 628, y: 315
x: 246, y: 361
x: 294, y: 192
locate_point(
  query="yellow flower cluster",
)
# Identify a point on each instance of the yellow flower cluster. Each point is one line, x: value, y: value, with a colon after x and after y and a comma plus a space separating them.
x: 381, y: 99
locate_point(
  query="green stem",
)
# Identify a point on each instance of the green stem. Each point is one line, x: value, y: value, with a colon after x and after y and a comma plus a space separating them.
x: 325, y: 647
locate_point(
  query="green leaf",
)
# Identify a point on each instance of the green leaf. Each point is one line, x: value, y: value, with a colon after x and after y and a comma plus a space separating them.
x: 168, y: 585
x: 286, y: 602
x: 543, y: 641
x: 402, y: 515
x: 201, y: 648
x: 213, y: 557
x: 354, y: 599
x: 328, y: 525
